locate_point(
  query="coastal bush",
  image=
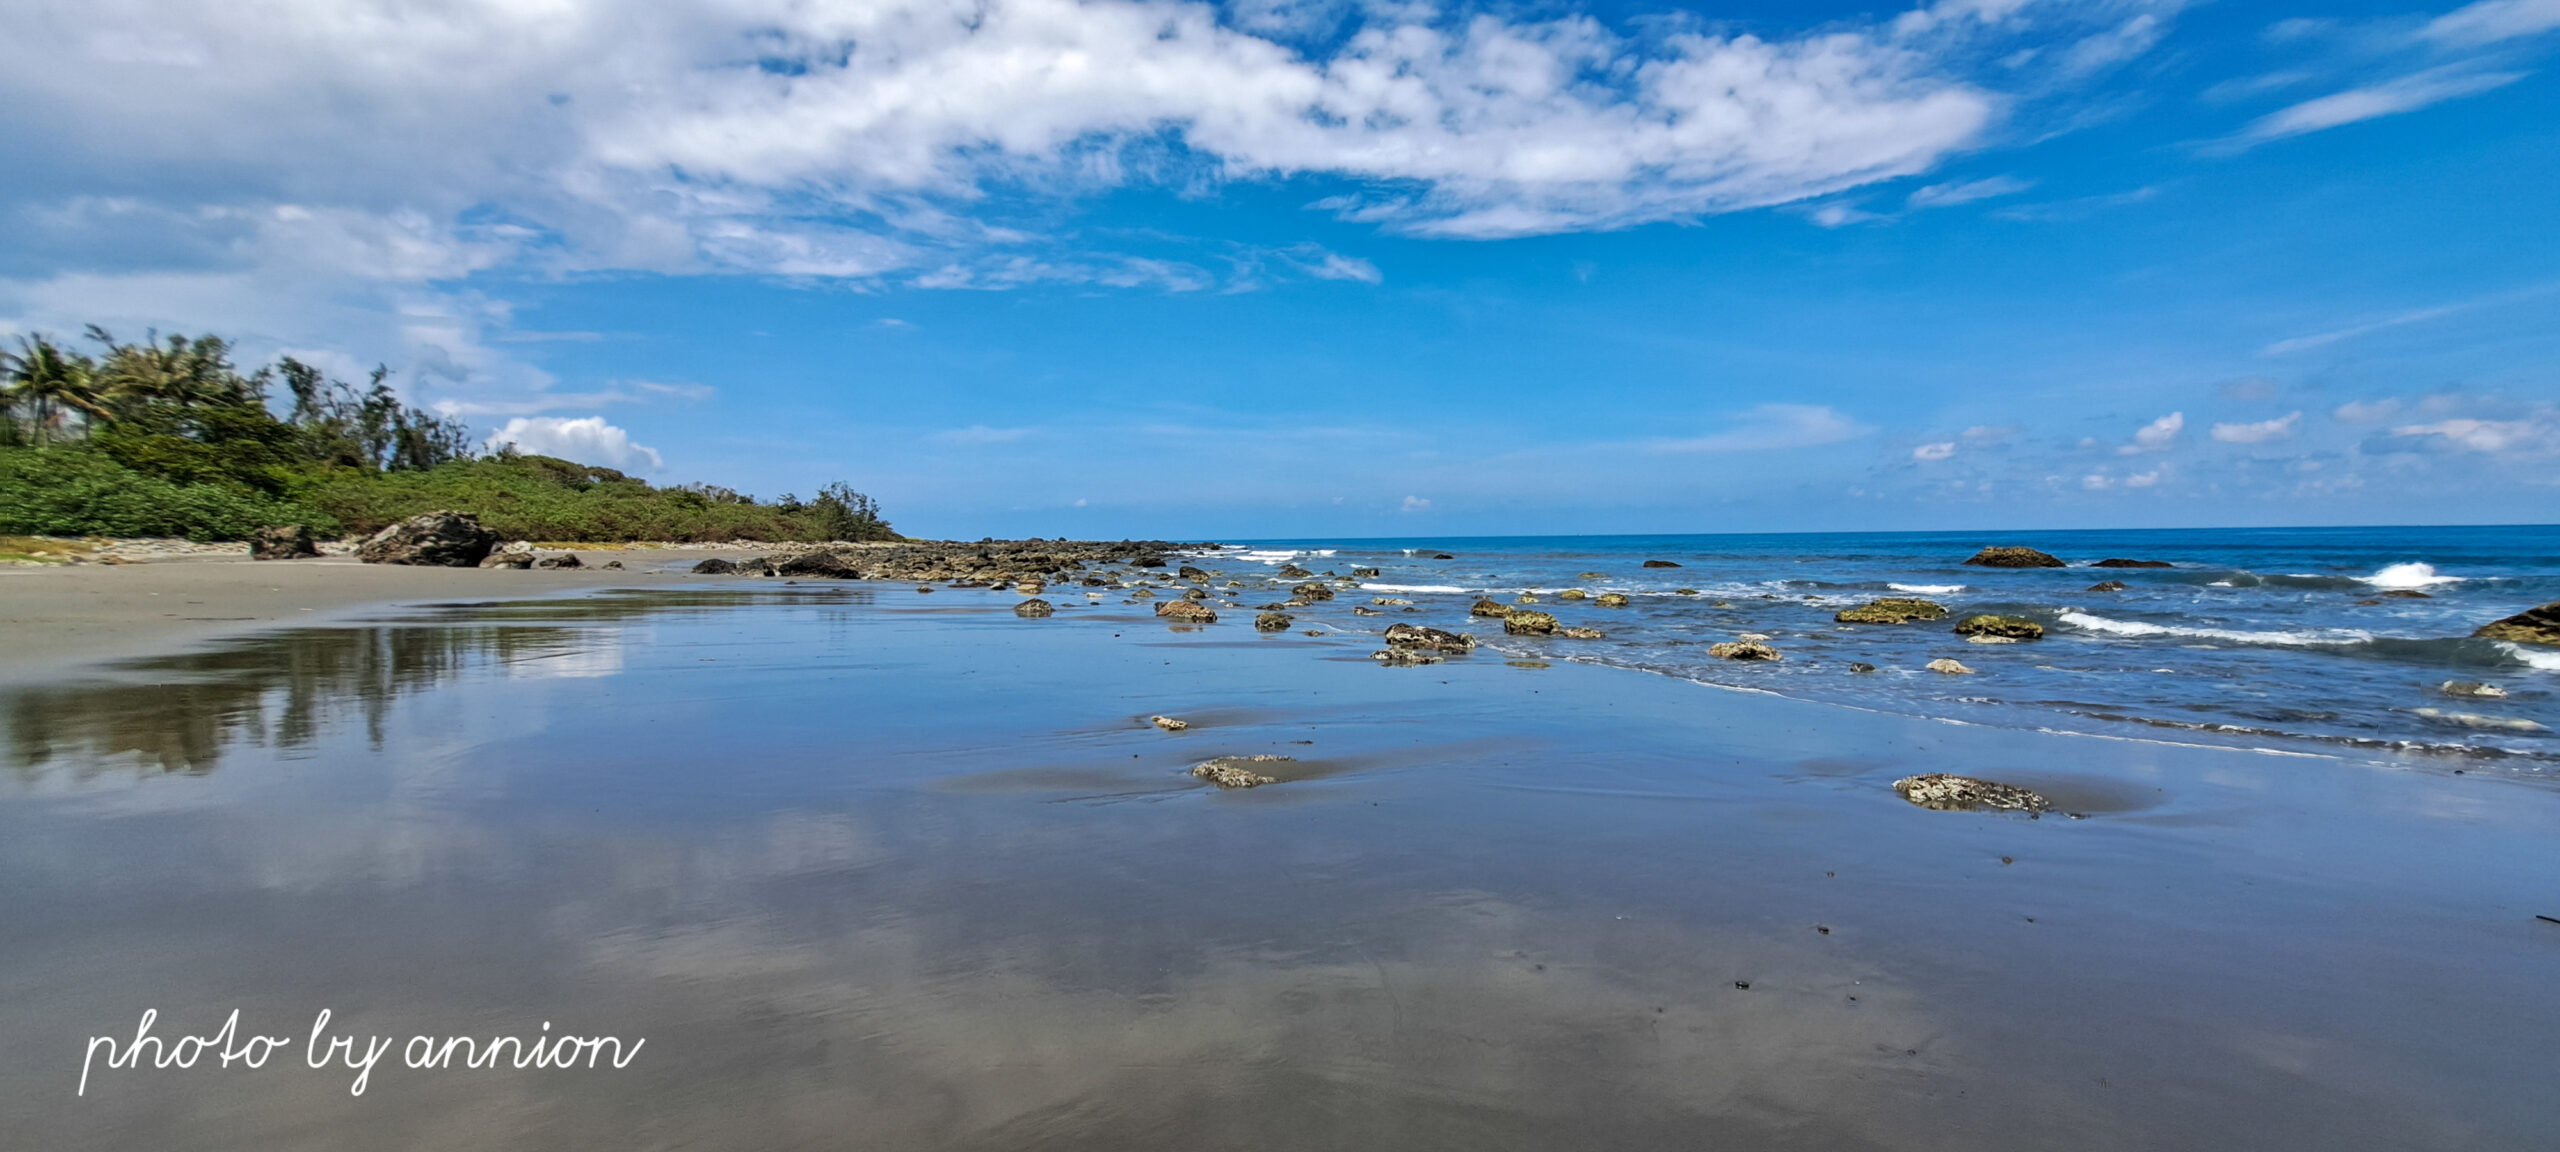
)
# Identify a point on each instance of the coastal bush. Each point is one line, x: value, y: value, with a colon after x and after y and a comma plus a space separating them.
x: 71, y: 490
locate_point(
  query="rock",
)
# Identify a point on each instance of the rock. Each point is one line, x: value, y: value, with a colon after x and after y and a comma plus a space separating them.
x: 2472, y: 688
x: 2003, y: 627
x: 507, y: 558
x: 1405, y: 657
x: 1196, y: 594
x: 2531, y: 626
x: 563, y: 560
x: 1391, y: 602
x: 1660, y: 564
x: 1234, y: 771
x: 1293, y: 572
x: 2408, y: 594
x: 1743, y: 650
x: 1582, y: 634
x: 1990, y: 638
x: 1168, y: 723
x: 1489, y: 607
x: 1612, y: 600
x: 434, y: 539
x: 1312, y: 592
x: 1573, y: 594
x: 1442, y: 556
x: 1034, y: 608
x: 1684, y: 591
x: 1030, y: 587
x: 755, y: 566
x: 2121, y: 562
x: 1861, y: 666
x: 1432, y: 639
x: 714, y: 566
x: 2108, y: 586
x: 1519, y: 622
x: 2367, y: 603
x: 1271, y: 622
x: 284, y: 542
x: 1189, y: 572
x: 2012, y: 556
x: 1364, y: 573
x: 1949, y: 667
x: 1187, y: 612
x: 616, y: 566
x: 1523, y: 598
x: 1943, y: 792
x: 816, y: 563
x: 1359, y: 611
x: 1892, y: 610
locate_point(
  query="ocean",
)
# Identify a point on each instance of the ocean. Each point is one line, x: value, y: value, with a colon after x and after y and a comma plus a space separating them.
x: 2289, y: 638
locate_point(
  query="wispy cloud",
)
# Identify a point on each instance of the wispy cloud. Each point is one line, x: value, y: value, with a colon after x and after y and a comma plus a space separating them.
x: 2389, y: 98
x: 1949, y: 195
x: 1773, y: 426
x: 2491, y: 21
x: 2260, y: 432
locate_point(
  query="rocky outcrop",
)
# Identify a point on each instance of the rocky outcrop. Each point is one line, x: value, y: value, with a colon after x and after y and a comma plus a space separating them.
x: 1944, y: 792
x: 2108, y: 586
x: 1293, y: 572
x: 2000, y: 627
x: 510, y: 558
x: 1892, y: 610
x: 1429, y: 639
x: 1238, y: 771
x: 1947, y: 667
x: 2121, y: 562
x: 1186, y: 612
x: 1661, y: 564
x: 1035, y: 608
x: 1489, y: 606
x: 1743, y: 650
x: 284, y: 542
x: 1312, y: 592
x: 818, y: 563
x: 1519, y: 622
x: 1271, y: 622
x: 2531, y: 626
x: 1612, y: 600
x: 1573, y: 594
x: 2013, y: 556
x: 563, y: 560
x: 434, y: 539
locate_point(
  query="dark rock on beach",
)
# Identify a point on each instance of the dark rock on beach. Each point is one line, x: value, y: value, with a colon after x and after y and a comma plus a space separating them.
x: 1186, y: 612
x: 1293, y: 572
x: 2108, y: 586
x: 1661, y: 564
x: 1237, y: 771
x: 1312, y: 592
x: 1944, y: 792
x: 1892, y: 610
x: 1364, y: 573
x: 2121, y: 562
x: 1489, y: 607
x: 1271, y: 622
x: 1405, y: 657
x: 2531, y: 626
x: 1524, y: 623
x: 284, y: 542
x: 1861, y: 666
x: 2013, y: 556
x: 1034, y: 608
x: 432, y: 539
x: 564, y: 560
x: 508, y: 558
x: 2004, y: 627
x: 1743, y: 650
x: 1432, y: 639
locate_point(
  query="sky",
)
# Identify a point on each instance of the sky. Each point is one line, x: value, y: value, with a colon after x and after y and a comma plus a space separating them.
x: 1291, y: 268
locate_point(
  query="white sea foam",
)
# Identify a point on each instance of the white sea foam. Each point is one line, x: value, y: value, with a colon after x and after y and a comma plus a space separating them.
x: 2409, y: 575
x: 1928, y: 589
x: 2547, y: 660
x: 1276, y: 557
x: 2298, y: 638
x: 1413, y: 588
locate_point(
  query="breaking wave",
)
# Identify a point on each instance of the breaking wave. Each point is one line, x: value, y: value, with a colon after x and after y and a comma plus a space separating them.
x: 2295, y: 638
x: 1928, y: 589
x: 2409, y: 575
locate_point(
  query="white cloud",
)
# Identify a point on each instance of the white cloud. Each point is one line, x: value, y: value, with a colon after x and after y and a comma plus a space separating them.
x: 586, y: 439
x: 2490, y: 436
x: 2390, y: 98
x: 1416, y: 504
x: 1928, y: 452
x: 2280, y: 428
x: 2144, y: 479
x: 2367, y: 411
x: 2490, y: 21
x: 1771, y: 426
x: 2157, y: 435
x: 1949, y: 195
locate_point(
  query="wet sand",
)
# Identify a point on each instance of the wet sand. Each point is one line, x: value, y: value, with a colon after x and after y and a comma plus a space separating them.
x: 879, y: 870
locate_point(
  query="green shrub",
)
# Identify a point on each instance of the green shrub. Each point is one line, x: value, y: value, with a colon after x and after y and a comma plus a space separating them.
x: 71, y: 490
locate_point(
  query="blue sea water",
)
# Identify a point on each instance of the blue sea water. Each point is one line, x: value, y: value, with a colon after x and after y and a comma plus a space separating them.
x: 2281, y: 638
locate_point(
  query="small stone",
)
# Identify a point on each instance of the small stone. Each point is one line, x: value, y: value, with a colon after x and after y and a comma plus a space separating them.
x: 1892, y: 610
x: 1944, y: 792
x: 1582, y: 634
x: 1405, y: 657
x: 523, y: 560
x: 2108, y: 586
x: 564, y: 560
x: 1232, y: 771
x: 1430, y: 639
x: 1168, y: 723
x: 1489, y: 607
x: 1034, y: 607
x: 1612, y: 600
x: 1861, y: 666
x: 284, y: 542
x: 1271, y: 622
x: 1948, y: 667
x: 1312, y: 592
x: 1573, y: 594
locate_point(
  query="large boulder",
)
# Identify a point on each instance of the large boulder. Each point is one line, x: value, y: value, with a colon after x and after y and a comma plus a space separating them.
x: 2002, y: 627
x: 1945, y: 792
x: 1429, y: 639
x: 1034, y: 609
x: 1488, y: 606
x: 1519, y: 622
x: 2012, y: 556
x: 564, y: 560
x: 1271, y: 622
x: 1892, y: 610
x: 816, y: 562
x: 284, y: 542
x: 2121, y: 562
x: 1743, y: 650
x: 1187, y: 612
x: 433, y: 539
x: 1312, y: 592
x: 2531, y: 626
x: 507, y: 558
x: 1612, y: 600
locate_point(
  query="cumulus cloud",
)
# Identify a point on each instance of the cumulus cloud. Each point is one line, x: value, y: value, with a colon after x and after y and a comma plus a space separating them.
x: 2280, y: 428
x: 2157, y: 435
x: 585, y: 439
x: 1416, y: 504
x: 1772, y: 426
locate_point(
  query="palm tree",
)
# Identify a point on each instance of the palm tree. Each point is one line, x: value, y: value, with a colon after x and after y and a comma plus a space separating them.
x: 185, y: 372
x: 46, y: 379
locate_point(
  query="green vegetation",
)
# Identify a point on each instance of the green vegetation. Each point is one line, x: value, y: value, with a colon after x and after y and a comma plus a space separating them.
x: 166, y: 438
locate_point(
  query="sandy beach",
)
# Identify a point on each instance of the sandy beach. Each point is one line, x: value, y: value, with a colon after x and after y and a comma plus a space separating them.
x: 884, y: 869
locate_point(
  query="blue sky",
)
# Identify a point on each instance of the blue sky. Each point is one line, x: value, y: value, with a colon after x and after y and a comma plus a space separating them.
x: 1294, y: 268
